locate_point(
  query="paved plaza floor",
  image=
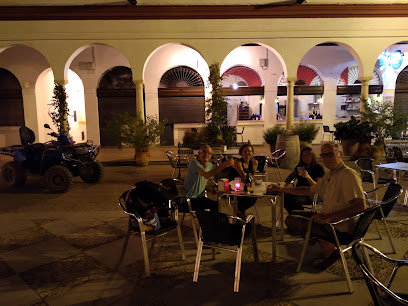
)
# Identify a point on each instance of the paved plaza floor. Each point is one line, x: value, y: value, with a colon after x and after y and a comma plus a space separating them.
x: 65, y: 249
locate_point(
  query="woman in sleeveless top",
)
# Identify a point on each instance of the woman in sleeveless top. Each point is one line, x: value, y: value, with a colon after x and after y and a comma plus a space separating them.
x: 244, y: 166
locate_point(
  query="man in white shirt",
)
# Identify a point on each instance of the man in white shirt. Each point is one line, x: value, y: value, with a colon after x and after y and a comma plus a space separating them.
x: 343, y: 197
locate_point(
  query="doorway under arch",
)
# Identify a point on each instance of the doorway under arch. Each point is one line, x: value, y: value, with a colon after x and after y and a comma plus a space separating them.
x: 11, y: 100
x: 181, y: 100
x: 116, y: 93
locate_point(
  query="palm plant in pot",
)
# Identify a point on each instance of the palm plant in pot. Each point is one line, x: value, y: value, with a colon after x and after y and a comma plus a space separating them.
x: 271, y: 135
x: 307, y: 133
x: 351, y: 133
x: 133, y: 131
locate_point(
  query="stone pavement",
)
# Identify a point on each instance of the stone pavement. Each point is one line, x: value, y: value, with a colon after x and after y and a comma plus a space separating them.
x: 64, y: 249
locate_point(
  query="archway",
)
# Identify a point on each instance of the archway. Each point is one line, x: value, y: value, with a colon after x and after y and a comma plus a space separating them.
x: 401, y: 90
x: 244, y: 88
x: 307, y: 94
x: 349, y: 91
x: 116, y: 93
x: 11, y: 100
x: 181, y: 99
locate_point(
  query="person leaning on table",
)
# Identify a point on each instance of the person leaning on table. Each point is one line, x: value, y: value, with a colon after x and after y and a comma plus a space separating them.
x: 343, y: 197
x: 198, y: 173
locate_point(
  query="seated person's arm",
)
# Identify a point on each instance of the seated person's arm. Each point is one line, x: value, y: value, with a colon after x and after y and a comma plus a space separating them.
x: 300, y: 191
x: 238, y: 166
x: 357, y: 206
x: 290, y: 178
x: 214, y: 171
x: 309, y: 178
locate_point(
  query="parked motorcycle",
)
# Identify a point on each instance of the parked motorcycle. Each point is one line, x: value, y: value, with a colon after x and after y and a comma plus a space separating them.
x: 58, y: 161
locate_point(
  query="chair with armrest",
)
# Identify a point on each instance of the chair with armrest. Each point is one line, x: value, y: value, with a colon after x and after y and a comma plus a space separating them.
x: 262, y: 166
x: 386, y: 204
x: 223, y: 232
x: 275, y: 159
x: 364, y: 220
x: 380, y: 291
x: 177, y: 161
x: 136, y: 226
x: 367, y: 172
x: 327, y: 131
x: 241, y: 133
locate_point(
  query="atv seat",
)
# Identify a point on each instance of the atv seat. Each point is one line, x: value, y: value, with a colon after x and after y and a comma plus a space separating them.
x: 27, y: 136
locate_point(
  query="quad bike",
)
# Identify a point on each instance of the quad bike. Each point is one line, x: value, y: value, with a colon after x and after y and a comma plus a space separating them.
x: 58, y: 161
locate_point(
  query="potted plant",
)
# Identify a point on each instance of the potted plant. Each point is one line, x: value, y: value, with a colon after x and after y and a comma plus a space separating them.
x: 271, y: 135
x: 216, y: 109
x: 385, y: 120
x: 133, y: 131
x: 307, y: 133
x: 351, y: 133
x: 59, y: 109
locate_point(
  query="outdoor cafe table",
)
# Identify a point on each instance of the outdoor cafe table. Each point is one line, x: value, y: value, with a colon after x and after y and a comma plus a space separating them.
x: 260, y: 192
x: 400, y: 167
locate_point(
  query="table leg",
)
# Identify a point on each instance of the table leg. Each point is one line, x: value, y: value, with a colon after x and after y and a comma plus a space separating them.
x: 234, y: 205
x: 273, y: 207
x: 281, y: 215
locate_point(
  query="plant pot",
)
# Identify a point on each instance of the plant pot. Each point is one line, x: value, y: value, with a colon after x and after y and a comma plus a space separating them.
x: 142, y: 158
x: 350, y: 147
x: 272, y: 148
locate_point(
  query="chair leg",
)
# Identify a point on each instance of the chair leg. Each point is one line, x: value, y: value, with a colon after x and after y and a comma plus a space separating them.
x: 145, y: 254
x: 277, y: 167
x: 122, y: 254
x: 238, y: 269
x: 346, y: 271
x: 194, y: 228
x: 378, y: 229
x: 254, y: 243
x: 343, y: 261
x: 198, y: 259
x: 181, y: 242
x: 305, y: 244
x: 389, y: 236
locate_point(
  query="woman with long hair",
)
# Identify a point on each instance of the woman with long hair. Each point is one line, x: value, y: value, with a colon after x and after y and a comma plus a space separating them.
x: 307, y: 173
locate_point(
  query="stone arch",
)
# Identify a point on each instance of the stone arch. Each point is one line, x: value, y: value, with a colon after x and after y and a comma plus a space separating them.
x: 181, y: 99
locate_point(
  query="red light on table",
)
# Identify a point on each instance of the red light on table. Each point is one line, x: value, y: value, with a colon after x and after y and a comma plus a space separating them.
x: 237, y: 184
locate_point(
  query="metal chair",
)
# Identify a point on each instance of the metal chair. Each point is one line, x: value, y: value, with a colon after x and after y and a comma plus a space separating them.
x: 339, y: 238
x: 242, y: 134
x: 136, y: 226
x: 177, y: 161
x: 218, y: 228
x: 380, y: 291
x: 326, y: 130
x: 386, y: 204
x: 366, y: 167
x: 262, y: 164
x: 183, y: 203
x: 275, y: 159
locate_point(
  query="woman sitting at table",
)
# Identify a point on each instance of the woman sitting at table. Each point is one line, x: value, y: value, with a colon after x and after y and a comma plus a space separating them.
x: 307, y: 173
x: 198, y: 173
x: 245, y: 166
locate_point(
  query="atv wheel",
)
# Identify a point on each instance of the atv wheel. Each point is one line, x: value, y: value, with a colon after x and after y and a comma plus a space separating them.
x: 13, y: 174
x: 58, y: 179
x: 92, y: 172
